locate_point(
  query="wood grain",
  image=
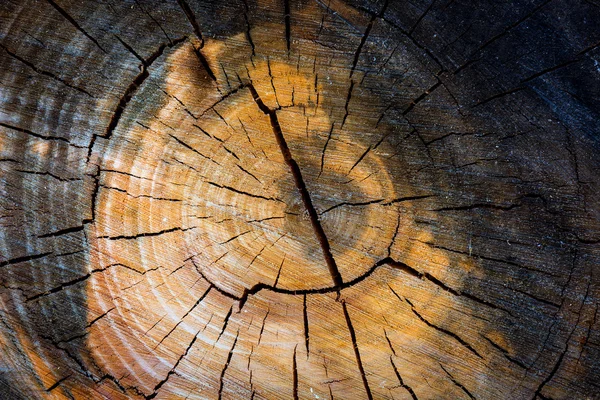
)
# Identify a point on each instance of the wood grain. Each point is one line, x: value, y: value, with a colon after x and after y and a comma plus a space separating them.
x: 299, y: 199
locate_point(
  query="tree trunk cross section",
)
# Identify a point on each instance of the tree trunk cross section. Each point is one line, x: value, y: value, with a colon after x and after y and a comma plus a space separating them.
x: 261, y: 199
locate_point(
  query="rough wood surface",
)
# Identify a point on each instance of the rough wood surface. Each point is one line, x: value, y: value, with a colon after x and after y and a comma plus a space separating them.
x: 300, y: 199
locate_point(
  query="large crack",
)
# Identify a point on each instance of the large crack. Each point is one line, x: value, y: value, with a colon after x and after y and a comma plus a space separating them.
x: 288, y: 34
x: 301, y: 186
x: 356, y: 351
x: 337, y: 289
x: 130, y: 92
x: 196, y: 27
x: 134, y: 86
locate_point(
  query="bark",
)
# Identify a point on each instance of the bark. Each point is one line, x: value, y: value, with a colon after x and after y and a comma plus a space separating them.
x: 299, y: 199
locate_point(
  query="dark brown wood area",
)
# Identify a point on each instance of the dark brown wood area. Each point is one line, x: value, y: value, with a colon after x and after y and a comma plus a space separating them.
x: 324, y: 199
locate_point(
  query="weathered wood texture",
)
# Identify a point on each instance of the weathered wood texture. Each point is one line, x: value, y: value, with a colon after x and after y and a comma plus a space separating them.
x: 300, y: 199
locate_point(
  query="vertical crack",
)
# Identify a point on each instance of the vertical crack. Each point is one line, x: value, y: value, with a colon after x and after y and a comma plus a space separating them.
x: 194, y: 22
x: 279, y: 273
x: 221, y: 379
x: 356, y: 351
x: 172, y: 371
x: 306, y: 337
x: 248, y: 29
x: 365, y: 36
x: 325, y: 146
x: 225, y: 324
x: 348, y: 97
x: 288, y: 34
x: 295, y: 374
x: 262, y: 328
x: 301, y: 186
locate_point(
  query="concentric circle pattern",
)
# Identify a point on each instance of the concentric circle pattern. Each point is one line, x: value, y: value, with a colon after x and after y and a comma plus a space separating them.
x: 294, y: 199
x: 220, y: 179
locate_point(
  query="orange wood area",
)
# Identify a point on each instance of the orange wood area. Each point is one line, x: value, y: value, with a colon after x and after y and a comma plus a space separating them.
x: 326, y: 199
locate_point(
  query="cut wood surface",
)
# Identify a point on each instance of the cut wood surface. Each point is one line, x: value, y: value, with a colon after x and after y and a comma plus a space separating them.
x: 324, y: 199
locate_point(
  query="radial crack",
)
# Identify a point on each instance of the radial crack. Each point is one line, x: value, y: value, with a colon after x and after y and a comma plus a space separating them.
x: 232, y: 189
x: 325, y: 148
x: 45, y: 73
x: 62, y: 232
x: 224, y: 370
x: 458, y: 384
x: 248, y: 28
x: 75, y: 24
x: 356, y: 351
x: 365, y: 36
x: 410, y: 32
x: 306, y: 332
x: 57, y: 383
x: 447, y: 332
x: 81, y: 279
x: 172, y: 371
x: 262, y: 327
x: 198, y: 51
x: 402, y: 384
x: 421, y: 97
x: 288, y: 34
x: 295, y: 375
x: 132, y: 89
x: 301, y: 186
x: 34, y: 134
x: 505, y: 353
x: 184, y: 315
x: 225, y: 324
x: 346, y: 111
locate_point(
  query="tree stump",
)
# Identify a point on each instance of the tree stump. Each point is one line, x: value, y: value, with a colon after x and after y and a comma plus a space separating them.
x: 299, y: 199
